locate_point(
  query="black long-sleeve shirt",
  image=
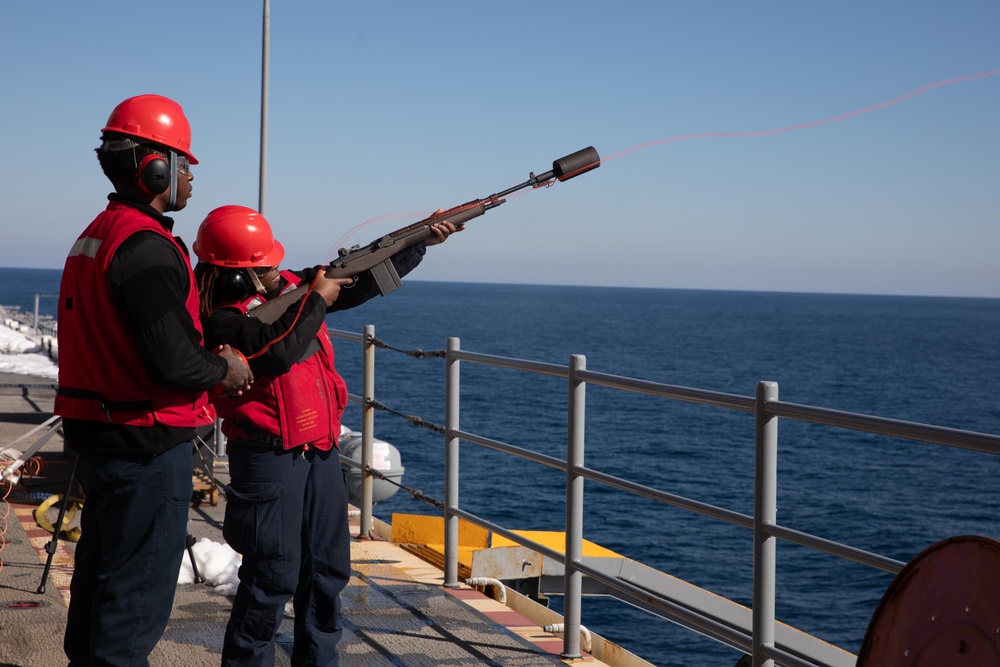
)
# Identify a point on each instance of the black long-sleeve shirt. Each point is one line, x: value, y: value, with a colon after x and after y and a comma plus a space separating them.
x: 249, y: 335
x: 150, y: 282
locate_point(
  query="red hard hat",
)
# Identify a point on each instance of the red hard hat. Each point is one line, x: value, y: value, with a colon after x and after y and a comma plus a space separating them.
x: 237, y: 236
x: 154, y: 118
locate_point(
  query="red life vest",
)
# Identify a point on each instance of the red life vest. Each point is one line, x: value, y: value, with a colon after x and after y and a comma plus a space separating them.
x: 101, y: 374
x: 302, y: 406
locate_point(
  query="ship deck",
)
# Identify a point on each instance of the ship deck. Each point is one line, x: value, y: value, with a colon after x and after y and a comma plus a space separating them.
x: 395, y: 610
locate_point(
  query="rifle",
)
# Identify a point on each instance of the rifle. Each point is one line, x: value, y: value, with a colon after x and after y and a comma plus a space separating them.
x: 376, y: 257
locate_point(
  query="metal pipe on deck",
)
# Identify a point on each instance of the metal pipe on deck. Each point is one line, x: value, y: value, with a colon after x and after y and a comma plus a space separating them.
x: 560, y: 628
x: 490, y: 581
x: 765, y: 514
x: 451, y: 411
x: 367, y: 428
x: 573, y: 582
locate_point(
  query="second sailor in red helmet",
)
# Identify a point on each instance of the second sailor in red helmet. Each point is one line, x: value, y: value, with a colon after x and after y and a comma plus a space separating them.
x: 286, y: 506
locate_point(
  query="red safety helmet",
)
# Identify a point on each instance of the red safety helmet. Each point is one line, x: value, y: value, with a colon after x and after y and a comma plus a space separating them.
x: 154, y: 118
x: 237, y: 236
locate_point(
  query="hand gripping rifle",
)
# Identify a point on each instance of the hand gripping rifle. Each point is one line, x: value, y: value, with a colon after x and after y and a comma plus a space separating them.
x: 376, y: 257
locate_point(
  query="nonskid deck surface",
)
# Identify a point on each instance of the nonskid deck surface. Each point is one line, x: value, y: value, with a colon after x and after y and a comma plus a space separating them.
x: 395, y: 611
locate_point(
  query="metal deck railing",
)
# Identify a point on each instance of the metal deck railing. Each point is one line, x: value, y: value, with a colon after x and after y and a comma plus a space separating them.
x: 40, y: 325
x: 759, y: 639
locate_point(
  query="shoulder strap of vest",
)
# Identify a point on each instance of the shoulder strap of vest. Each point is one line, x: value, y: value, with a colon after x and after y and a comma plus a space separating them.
x: 292, y: 280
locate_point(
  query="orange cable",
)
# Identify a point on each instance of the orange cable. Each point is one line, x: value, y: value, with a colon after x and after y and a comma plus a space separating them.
x: 302, y: 305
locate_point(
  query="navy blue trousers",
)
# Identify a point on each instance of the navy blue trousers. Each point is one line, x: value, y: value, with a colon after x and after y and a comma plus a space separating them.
x: 286, y: 513
x: 133, y: 527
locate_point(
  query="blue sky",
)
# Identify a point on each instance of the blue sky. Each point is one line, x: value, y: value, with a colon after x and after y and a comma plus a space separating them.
x: 378, y: 108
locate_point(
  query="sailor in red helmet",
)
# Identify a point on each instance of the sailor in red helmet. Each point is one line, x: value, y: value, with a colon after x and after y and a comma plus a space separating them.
x: 133, y: 375
x: 286, y: 506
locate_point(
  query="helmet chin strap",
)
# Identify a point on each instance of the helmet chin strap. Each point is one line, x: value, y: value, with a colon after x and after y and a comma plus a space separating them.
x: 173, y: 181
x: 259, y: 286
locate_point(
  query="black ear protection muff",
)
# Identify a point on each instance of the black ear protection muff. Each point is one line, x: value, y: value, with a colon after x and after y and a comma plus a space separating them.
x: 153, y: 174
x: 231, y: 286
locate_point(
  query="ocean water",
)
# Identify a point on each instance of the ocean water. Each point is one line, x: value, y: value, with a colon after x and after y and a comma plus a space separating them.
x: 931, y: 360
x: 21, y: 285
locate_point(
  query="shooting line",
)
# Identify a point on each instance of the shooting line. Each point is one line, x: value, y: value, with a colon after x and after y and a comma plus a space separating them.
x: 762, y: 133
x: 706, y: 135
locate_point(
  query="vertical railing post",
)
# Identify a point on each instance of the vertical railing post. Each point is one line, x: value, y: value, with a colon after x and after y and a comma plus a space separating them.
x: 451, y: 391
x: 573, y: 579
x: 764, y: 516
x: 35, y: 324
x: 220, y: 440
x: 367, y: 428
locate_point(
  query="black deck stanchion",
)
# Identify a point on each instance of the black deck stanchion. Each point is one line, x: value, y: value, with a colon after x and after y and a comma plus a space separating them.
x: 189, y: 542
x: 50, y: 548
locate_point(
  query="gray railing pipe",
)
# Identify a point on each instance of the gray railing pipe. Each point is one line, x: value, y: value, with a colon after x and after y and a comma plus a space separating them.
x: 786, y: 659
x: 220, y: 439
x: 703, y: 396
x: 513, y: 450
x: 695, y: 506
x: 497, y: 529
x: 540, y: 367
x: 367, y: 429
x: 765, y: 513
x: 573, y: 579
x: 767, y: 409
x: 688, y: 618
x: 844, y: 551
x: 713, y: 511
x: 938, y: 435
x: 451, y: 404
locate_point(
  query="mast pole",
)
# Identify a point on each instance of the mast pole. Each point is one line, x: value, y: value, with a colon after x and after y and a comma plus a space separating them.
x: 264, y: 87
